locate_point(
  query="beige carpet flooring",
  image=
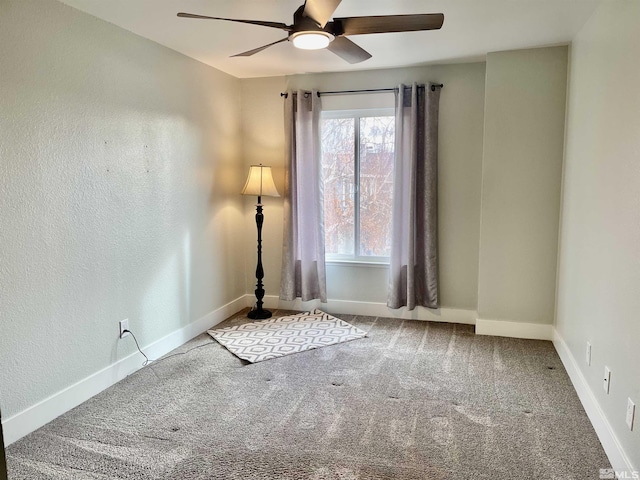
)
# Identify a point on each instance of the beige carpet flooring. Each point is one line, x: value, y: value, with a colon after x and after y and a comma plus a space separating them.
x: 413, y: 400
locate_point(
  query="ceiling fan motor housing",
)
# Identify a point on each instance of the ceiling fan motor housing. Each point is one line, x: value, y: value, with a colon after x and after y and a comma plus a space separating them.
x: 302, y: 23
x: 307, y: 34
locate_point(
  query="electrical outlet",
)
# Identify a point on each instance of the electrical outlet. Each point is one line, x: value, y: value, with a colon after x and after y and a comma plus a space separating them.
x: 631, y: 411
x: 607, y: 380
x: 588, y: 354
x: 124, y: 325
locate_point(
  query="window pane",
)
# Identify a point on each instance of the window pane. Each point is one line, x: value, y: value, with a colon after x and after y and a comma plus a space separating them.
x: 377, y: 135
x: 338, y: 177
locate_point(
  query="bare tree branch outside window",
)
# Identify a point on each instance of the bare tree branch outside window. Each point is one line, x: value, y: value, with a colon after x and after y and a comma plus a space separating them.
x: 366, y: 232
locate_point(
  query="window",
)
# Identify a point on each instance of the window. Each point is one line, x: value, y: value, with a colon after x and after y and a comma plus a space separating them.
x: 357, y: 171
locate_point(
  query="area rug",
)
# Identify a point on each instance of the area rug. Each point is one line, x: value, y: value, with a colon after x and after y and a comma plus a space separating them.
x: 277, y: 337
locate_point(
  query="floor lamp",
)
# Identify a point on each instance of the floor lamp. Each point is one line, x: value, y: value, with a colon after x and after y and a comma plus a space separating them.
x: 259, y: 183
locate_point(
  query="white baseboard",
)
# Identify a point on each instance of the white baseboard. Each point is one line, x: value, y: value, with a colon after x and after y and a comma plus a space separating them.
x: 502, y: 328
x: 43, y: 412
x: 612, y: 447
x: 449, y: 315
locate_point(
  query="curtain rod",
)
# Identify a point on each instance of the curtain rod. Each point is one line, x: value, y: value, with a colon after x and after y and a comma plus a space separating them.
x: 369, y: 90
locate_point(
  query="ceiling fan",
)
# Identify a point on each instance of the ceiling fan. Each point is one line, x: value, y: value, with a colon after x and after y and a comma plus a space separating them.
x: 312, y: 30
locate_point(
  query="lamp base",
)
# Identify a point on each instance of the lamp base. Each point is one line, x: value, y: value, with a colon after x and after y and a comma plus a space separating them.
x: 259, y: 314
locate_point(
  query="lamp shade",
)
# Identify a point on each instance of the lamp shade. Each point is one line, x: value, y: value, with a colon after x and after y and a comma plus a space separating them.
x: 260, y: 182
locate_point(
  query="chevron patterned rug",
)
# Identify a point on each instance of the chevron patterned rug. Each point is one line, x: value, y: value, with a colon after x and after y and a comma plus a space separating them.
x: 277, y: 337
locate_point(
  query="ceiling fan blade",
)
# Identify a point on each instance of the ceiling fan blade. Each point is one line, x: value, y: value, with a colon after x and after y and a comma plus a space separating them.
x: 259, y: 49
x: 387, y: 23
x: 279, y: 25
x: 320, y: 11
x: 349, y: 51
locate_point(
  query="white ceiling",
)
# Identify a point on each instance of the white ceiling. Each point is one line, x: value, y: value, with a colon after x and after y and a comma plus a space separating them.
x: 471, y: 29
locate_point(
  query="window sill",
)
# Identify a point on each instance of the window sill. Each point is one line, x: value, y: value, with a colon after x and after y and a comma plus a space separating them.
x: 356, y: 263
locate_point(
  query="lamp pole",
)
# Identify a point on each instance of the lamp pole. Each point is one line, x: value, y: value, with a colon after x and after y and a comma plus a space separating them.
x: 259, y: 183
x: 259, y: 313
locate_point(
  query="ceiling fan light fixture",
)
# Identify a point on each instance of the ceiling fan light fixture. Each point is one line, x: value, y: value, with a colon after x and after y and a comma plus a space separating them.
x: 311, y: 40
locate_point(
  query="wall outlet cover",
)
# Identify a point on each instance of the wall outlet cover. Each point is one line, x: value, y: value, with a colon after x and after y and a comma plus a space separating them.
x: 607, y: 380
x: 124, y: 325
x: 631, y: 413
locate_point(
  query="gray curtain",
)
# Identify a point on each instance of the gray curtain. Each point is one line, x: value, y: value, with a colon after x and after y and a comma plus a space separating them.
x: 303, y: 268
x: 413, y: 272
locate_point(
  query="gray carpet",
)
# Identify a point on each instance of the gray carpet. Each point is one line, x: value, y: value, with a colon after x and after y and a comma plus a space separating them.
x: 286, y: 335
x: 413, y: 400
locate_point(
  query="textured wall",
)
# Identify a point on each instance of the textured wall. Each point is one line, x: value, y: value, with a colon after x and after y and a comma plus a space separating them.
x: 599, y: 268
x: 119, y: 198
x: 263, y: 142
x: 461, y: 117
x: 521, y: 177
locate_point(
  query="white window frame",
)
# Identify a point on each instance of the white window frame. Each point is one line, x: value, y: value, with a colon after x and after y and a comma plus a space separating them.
x: 363, y: 260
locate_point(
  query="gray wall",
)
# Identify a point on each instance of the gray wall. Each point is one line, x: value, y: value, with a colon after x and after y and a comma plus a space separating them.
x: 263, y: 142
x: 119, y: 198
x: 460, y: 144
x: 509, y: 271
x: 521, y: 177
x: 599, y: 268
